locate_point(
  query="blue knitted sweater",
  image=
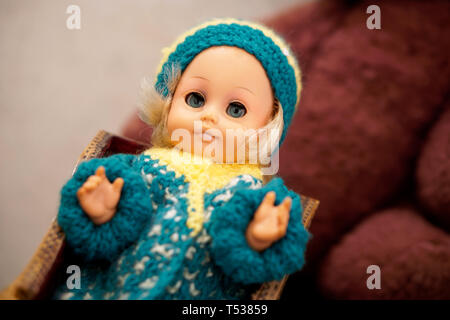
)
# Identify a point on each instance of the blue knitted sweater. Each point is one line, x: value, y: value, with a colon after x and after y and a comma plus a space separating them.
x: 147, y: 250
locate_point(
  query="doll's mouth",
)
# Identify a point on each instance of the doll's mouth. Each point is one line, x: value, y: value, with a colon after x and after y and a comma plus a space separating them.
x: 205, y: 136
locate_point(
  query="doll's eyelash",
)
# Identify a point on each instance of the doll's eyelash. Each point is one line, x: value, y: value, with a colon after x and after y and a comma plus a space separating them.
x: 200, y: 92
x: 236, y: 109
x: 195, y: 99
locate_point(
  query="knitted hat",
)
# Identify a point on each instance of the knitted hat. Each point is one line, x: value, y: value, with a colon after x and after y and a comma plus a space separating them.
x: 269, y: 48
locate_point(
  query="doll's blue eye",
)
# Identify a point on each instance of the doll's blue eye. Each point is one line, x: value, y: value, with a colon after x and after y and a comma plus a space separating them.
x: 236, y: 110
x: 195, y: 100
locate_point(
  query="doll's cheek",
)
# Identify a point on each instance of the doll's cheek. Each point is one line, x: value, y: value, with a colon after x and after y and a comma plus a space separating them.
x: 177, y: 119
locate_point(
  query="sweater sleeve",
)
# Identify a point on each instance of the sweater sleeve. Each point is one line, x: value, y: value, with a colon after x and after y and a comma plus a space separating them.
x: 106, y: 241
x: 229, y: 246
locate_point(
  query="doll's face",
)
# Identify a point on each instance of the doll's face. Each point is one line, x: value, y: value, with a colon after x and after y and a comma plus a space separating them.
x: 223, y: 90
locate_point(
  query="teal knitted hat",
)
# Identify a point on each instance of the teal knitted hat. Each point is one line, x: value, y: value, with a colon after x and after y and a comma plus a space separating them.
x: 269, y: 48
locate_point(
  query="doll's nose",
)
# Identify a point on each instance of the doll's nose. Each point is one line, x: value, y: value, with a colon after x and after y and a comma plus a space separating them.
x: 209, y: 117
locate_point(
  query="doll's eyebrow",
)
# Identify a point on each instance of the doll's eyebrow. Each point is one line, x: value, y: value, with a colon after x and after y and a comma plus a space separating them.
x: 200, y: 78
x: 246, y: 90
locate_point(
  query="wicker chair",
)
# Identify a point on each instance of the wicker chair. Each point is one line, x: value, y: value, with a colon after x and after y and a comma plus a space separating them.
x: 38, y: 279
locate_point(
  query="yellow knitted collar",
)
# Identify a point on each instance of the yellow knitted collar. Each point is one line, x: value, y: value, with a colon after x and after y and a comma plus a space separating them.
x: 203, y: 175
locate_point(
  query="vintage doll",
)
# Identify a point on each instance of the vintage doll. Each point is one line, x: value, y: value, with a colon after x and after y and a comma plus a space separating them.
x: 180, y: 221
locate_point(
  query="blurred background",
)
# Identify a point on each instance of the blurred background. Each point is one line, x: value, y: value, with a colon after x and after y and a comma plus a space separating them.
x: 371, y: 138
x: 58, y: 87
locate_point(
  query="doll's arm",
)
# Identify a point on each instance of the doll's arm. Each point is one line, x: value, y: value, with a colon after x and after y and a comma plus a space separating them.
x: 230, y: 248
x: 107, y: 240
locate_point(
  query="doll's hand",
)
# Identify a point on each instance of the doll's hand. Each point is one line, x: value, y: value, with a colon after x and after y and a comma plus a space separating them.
x: 98, y: 197
x: 269, y: 223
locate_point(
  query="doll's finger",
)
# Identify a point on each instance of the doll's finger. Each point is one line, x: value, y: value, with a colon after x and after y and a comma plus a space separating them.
x: 283, y: 219
x: 269, y: 199
x: 118, y: 184
x: 100, y: 172
x: 89, y: 185
x: 81, y: 192
x: 286, y: 204
x: 266, y: 206
x: 94, y: 180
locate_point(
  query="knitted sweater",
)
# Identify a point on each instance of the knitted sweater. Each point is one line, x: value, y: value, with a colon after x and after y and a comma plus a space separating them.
x: 178, y: 232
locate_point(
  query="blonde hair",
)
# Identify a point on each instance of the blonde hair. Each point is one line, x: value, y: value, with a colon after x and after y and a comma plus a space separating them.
x: 154, y: 110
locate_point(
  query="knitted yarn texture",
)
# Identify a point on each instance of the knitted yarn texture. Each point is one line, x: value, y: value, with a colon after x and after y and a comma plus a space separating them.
x: 148, y: 251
